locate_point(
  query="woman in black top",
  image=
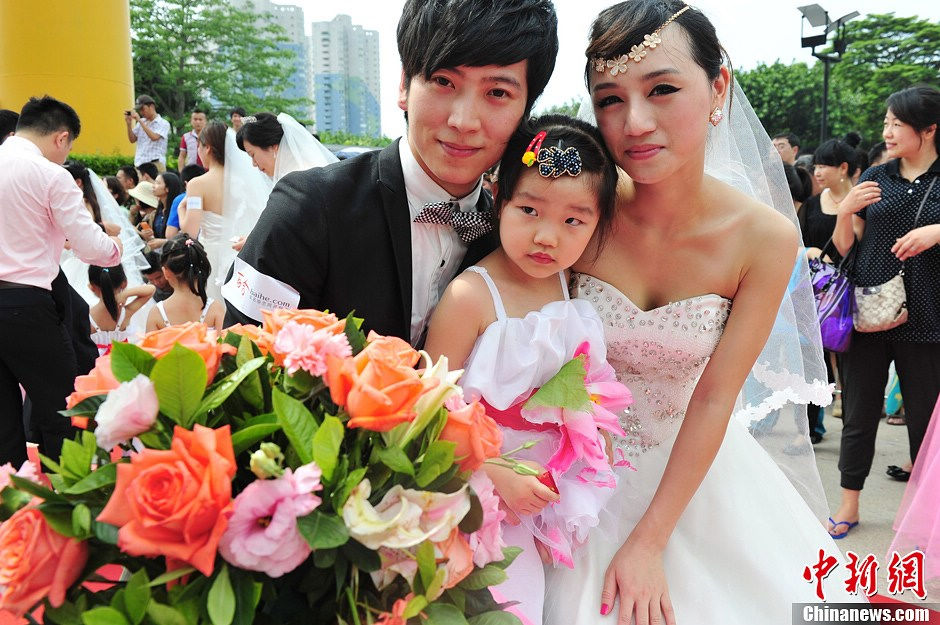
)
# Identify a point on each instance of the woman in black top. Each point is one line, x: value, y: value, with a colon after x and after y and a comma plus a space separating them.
x: 880, y: 213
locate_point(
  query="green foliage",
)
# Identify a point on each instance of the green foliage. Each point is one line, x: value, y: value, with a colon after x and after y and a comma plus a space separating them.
x: 329, y: 137
x: 102, y: 164
x: 569, y: 108
x: 884, y: 54
x: 186, y: 51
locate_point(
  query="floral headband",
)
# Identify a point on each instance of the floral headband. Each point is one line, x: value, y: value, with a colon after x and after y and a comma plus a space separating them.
x: 618, y: 65
x: 553, y: 161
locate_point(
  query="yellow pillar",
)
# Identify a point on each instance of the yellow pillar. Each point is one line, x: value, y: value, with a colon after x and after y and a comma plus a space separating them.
x: 78, y: 51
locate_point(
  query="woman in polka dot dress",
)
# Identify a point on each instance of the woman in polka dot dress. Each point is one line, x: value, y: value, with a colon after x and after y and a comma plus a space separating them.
x: 880, y: 214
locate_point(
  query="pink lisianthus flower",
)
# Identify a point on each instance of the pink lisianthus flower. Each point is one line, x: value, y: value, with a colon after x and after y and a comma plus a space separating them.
x: 129, y: 410
x: 580, y: 439
x: 304, y: 347
x: 27, y: 471
x: 487, y: 542
x: 262, y: 533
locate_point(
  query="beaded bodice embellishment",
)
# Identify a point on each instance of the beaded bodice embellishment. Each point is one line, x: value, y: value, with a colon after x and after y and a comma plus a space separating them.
x: 658, y: 354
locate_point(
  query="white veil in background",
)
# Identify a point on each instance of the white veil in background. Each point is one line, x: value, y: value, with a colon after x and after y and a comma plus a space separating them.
x: 790, y: 371
x: 298, y: 149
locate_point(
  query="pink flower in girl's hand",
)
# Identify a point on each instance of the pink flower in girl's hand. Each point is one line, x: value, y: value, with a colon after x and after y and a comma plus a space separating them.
x: 487, y: 542
x: 262, y: 533
x: 304, y: 347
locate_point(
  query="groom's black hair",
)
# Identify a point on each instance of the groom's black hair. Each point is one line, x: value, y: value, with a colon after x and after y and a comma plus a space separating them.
x: 436, y: 34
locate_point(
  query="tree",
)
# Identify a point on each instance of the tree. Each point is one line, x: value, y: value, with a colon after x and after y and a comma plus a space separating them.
x: 192, y: 51
x: 568, y: 108
x: 786, y: 98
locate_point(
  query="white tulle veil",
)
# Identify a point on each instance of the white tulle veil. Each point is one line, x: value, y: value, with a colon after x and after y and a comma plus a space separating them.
x: 298, y: 149
x: 790, y: 371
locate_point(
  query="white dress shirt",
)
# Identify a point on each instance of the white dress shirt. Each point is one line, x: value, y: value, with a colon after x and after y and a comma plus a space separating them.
x: 148, y: 149
x: 41, y: 207
x: 436, y: 250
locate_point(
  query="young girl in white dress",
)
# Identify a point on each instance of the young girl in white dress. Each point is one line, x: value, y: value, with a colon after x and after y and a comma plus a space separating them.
x: 511, y: 322
x: 110, y: 318
x: 187, y: 269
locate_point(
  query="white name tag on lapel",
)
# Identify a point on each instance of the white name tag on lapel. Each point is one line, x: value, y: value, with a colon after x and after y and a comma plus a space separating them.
x: 250, y: 291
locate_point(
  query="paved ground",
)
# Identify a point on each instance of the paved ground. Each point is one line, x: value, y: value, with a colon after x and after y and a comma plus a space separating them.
x: 881, y: 497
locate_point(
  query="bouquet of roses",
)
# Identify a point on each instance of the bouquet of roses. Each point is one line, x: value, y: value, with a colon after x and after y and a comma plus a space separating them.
x: 299, y: 472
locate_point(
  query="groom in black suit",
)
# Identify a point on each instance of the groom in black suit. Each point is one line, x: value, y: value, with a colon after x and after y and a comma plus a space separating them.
x: 384, y: 233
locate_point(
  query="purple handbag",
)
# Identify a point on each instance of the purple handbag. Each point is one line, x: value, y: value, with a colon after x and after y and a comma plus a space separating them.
x: 835, y: 301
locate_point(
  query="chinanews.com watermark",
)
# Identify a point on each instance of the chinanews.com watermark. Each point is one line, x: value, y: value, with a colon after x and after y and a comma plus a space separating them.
x: 855, y: 614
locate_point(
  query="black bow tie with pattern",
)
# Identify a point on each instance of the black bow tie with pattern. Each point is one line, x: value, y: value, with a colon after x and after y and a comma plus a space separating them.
x: 468, y: 226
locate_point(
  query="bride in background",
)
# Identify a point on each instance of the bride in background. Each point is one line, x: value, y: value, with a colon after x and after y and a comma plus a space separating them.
x: 705, y: 326
x: 279, y: 145
x: 223, y: 203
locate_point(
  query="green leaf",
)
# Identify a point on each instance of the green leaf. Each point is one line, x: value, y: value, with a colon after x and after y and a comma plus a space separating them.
x: 396, y: 460
x: 245, y: 438
x: 221, y: 600
x: 484, y: 578
x: 59, y: 517
x: 509, y: 556
x: 12, y: 500
x: 162, y: 614
x: 298, y: 423
x: 88, y: 407
x: 324, y: 558
x: 339, y: 499
x: 35, y: 489
x: 437, y: 582
x: 438, y: 458
x: 415, y: 606
x: 247, y: 595
x: 128, y: 361
x: 473, y: 520
x: 180, y: 380
x: 427, y: 563
x: 137, y: 596
x: 250, y: 389
x: 103, y: 615
x: 323, y: 531
x: 227, y: 386
x: 105, y: 476
x: 66, y: 614
x: 444, y: 614
x: 355, y: 336
x: 565, y: 389
x: 366, y: 559
x: 326, y: 445
x: 77, y: 456
x: 171, y: 575
x: 105, y: 532
x: 496, y: 617
x: 81, y: 520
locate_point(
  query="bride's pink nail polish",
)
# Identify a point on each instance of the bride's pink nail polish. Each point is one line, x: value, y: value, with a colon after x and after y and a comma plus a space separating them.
x: 604, y: 609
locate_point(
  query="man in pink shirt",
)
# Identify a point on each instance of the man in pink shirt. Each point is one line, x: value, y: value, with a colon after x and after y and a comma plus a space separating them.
x: 40, y: 208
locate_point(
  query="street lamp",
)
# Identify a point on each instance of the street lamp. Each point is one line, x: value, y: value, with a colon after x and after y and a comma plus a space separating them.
x: 818, y: 17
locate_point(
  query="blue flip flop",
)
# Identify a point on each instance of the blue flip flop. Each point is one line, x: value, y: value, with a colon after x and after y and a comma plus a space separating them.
x: 848, y: 528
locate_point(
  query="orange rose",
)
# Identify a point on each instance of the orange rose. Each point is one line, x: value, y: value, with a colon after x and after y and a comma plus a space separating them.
x: 379, y: 386
x: 478, y: 437
x: 396, y: 616
x: 459, y: 558
x: 192, y: 335
x: 176, y: 503
x: 98, y: 382
x: 274, y: 320
x: 264, y: 340
x: 36, y: 562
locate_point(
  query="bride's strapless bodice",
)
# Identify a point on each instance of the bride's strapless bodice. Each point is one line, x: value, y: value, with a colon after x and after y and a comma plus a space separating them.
x: 658, y: 354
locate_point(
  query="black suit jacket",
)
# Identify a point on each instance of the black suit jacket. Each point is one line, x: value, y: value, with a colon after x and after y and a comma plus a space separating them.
x: 341, y: 236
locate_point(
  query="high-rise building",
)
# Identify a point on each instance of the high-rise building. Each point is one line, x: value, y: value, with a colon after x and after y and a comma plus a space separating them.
x: 345, y: 69
x: 291, y: 19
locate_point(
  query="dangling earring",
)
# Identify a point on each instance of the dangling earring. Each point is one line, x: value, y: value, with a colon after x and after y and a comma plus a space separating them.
x: 716, y: 116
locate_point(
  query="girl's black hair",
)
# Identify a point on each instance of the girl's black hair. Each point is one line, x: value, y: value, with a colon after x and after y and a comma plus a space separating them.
x: 264, y: 132
x: 620, y: 27
x: 108, y: 279
x: 213, y: 137
x: 800, y: 181
x: 187, y: 259
x: 116, y: 188
x: 834, y: 152
x: 918, y: 107
x: 80, y: 172
x: 174, y: 187
x: 565, y: 132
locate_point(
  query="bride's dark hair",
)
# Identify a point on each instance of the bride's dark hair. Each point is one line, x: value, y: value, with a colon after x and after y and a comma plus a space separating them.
x: 261, y: 129
x: 620, y: 27
x: 213, y: 137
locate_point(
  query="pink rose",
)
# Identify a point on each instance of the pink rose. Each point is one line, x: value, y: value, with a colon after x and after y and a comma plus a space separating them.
x: 262, y: 533
x: 302, y: 346
x: 487, y: 542
x: 129, y: 410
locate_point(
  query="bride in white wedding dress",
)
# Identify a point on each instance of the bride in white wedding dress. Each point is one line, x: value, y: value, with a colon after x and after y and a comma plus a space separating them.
x: 712, y: 329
